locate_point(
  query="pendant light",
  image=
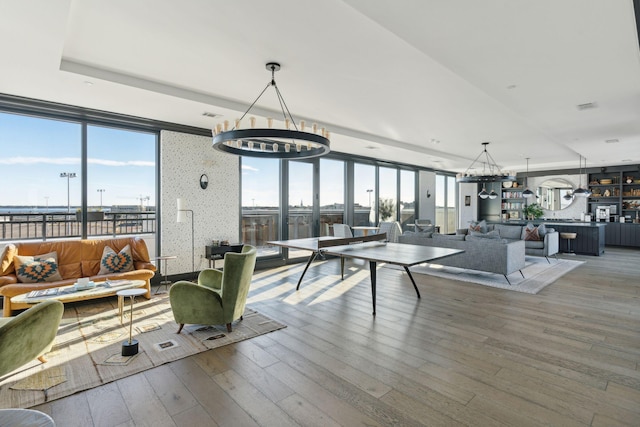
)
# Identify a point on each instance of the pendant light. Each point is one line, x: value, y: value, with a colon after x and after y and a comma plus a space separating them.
x: 527, y: 194
x: 581, y: 192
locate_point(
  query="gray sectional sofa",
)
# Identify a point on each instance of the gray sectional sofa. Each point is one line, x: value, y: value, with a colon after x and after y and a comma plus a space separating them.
x: 548, y: 246
x: 493, y: 255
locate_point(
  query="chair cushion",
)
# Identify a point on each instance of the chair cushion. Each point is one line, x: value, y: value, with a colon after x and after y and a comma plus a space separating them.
x: 37, y: 268
x: 113, y: 262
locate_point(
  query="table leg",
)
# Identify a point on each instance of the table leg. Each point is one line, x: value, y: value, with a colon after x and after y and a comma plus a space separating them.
x: 120, y: 306
x: 372, y: 269
x: 311, y: 258
x: 412, y: 281
x: 342, y: 267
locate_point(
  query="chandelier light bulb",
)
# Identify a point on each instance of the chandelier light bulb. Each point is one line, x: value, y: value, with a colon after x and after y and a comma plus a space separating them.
x: 274, y: 147
x: 287, y: 148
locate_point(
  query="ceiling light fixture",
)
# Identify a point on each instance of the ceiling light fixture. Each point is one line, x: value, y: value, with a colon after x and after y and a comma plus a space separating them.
x: 527, y: 193
x: 494, y: 174
x: 271, y: 142
x: 581, y: 192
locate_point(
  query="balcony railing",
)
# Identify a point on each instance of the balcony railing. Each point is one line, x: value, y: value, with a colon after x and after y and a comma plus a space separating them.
x: 39, y: 226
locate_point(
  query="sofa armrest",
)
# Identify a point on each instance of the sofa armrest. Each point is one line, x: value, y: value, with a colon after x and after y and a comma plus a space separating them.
x: 551, y: 243
x: 144, y: 265
x: 9, y: 279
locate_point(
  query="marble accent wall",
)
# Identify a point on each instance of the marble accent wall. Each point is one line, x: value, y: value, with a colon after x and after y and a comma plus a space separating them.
x: 216, y: 210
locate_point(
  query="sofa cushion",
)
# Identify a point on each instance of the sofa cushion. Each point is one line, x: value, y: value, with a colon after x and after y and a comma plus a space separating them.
x: 512, y: 232
x: 437, y: 236
x: 478, y: 226
x: 534, y: 244
x: 113, y: 262
x: 37, y: 268
x: 495, y: 234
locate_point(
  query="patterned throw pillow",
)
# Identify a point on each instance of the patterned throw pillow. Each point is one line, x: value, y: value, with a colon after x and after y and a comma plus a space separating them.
x: 478, y: 226
x: 531, y: 234
x: 37, y: 268
x: 113, y: 262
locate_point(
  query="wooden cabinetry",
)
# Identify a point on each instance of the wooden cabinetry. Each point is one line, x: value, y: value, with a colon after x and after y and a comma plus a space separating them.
x: 617, y: 188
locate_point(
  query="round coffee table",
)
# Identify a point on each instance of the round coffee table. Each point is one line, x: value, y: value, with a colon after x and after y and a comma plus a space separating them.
x: 25, y: 417
x: 129, y: 347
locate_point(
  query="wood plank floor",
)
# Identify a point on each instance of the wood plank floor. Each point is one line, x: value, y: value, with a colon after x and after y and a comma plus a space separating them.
x: 462, y: 355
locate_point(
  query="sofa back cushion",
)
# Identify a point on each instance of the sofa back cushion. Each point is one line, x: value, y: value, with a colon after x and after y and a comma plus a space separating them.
x: 69, y: 255
x: 511, y: 232
x: 92, y: 251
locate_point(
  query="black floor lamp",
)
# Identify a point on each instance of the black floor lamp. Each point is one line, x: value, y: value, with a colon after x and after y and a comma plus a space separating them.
x: 180, y: 218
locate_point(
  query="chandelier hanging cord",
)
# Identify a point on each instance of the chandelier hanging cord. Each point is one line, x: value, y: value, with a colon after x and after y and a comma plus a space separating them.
x: 489, y: 161
x: 271, y: 142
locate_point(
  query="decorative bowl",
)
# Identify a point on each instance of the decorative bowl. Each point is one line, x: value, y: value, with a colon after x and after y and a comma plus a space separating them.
x: 507, y: 184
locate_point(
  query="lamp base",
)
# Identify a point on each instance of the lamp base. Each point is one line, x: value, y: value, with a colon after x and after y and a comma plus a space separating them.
x: 130, y: 348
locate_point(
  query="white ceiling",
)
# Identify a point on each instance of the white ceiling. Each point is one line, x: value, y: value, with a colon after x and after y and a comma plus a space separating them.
x: 416, y: 81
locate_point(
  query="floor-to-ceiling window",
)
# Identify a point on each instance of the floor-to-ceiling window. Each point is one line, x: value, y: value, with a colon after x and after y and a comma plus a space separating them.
x: 301, y: 203
x: 70, y: 178
x: 260, y: 203
x: 446, y: 203
x: 331, y: 194
x: 121, y: 182
x: 407, y: 198
x: 388, y: 196
x: 364, y: 194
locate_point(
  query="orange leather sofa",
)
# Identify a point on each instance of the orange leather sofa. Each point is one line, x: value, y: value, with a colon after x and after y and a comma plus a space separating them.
x: 76, y: 259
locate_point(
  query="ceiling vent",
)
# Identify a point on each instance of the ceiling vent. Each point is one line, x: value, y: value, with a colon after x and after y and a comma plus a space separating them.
x: 587, y: 106
x: 611, y: 141
x: 209, y: 114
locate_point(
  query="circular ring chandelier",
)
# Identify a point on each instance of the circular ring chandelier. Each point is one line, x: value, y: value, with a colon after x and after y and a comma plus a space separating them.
x: 270, y: 142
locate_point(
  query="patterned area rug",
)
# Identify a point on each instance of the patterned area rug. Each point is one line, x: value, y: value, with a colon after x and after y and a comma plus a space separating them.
x: 538, y: 273
x: 87, y: 352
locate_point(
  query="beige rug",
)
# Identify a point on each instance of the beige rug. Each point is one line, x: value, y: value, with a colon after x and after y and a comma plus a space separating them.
x: 89, y: 342
x: 538, y: 273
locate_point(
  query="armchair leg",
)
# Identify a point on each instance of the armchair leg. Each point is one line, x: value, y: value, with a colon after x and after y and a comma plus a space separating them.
x: 229, y: 327
x: 180, y: 328
x: 42, y: 359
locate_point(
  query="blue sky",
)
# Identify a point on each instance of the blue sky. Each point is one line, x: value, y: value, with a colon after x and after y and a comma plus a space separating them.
x: 35, y: 151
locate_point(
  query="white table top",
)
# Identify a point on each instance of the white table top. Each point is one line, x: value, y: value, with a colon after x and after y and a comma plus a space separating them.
x: 131, y: 292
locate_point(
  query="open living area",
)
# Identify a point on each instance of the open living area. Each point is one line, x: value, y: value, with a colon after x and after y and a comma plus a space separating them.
x: 347, y: 212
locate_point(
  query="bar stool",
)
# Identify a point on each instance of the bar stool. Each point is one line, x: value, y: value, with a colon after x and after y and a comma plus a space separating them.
x: 569, y: 237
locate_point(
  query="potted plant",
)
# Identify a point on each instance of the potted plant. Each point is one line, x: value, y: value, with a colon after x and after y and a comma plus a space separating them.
x: 533, y: 211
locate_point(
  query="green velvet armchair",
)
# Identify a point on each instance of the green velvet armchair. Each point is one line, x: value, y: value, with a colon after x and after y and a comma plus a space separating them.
x: 28, y: 335
x: 219, y: 297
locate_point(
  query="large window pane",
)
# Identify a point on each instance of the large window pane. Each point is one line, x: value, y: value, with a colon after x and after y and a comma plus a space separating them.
x: 364, y: 194
x: 331, y: 195
x: 260, y: 203
x: 388, y: 194
x: 407, y: 198
x: 451, y: 204
x: 121, y: 183
x: 42, y: 158
x: 300, y: 203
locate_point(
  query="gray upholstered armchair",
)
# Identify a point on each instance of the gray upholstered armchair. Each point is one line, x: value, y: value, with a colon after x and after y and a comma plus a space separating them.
x: 393, y: 230
x: 219, y: 297
x: 28, y: 335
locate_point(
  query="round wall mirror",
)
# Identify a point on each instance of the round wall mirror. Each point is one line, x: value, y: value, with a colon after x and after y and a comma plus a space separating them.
x: 555, y: 194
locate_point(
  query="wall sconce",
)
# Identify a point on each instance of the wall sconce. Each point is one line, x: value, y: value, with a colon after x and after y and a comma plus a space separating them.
x: 204, y: 181
x: 428, y: 194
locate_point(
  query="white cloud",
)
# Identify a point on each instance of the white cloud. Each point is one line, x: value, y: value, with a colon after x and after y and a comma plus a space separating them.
x: 71, y: 161
x: 247, y: 168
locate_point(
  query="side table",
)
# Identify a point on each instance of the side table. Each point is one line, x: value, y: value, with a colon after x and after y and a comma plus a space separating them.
x: 166, y: 282
x: 213, y: 253
x: 129, y: 347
